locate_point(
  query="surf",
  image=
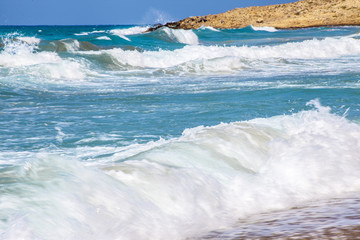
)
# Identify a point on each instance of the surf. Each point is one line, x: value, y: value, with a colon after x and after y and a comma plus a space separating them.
x: 205, y: 179
x: 231, y: 59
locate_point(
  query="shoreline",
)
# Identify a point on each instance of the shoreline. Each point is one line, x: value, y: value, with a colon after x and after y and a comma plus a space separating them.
x: 299, y: 14
x: 332, y: 218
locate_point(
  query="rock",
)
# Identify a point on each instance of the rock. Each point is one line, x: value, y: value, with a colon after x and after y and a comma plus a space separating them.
x: 300, y: 14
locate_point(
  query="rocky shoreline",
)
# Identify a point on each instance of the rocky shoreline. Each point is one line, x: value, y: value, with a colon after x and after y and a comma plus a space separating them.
x: 300, y: 14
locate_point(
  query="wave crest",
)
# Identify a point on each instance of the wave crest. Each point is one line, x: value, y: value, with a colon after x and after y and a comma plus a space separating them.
x: 221, y: 59
x: 177, y: 188
x: 23, y: 55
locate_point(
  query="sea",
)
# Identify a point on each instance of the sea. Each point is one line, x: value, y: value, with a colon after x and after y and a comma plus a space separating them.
x: 114, y: 132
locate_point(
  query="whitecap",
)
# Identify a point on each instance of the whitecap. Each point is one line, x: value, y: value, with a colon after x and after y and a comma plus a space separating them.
x: 87, y: 33
x: 179, y: 188
x: 267, y: 29
x: 209, y: 28
x: 181, y: 35
x: 222, y: 58
x: 29, y: 40
x: 103, y: 38
x: 128, y: 31
x: 23, y: 58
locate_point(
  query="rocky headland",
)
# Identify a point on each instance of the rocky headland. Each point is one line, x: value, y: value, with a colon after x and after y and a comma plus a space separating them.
x: 300, y: 14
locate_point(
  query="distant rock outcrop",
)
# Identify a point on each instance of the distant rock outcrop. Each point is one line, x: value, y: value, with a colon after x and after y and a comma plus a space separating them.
x: 300, y: 14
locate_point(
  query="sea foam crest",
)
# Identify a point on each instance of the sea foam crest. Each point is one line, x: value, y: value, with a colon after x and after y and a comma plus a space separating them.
x: 222, y: 58
x: 267, y: 29
x: 21, y: 51
x: 128, y: 31
x: 206, y: 179
x: 30, y: 40
x: 21, y: 54
x: 87, y: 33
x: 103, y: 38
x: 209, y: 28
x: 71, y: 45
x: 182, y: 36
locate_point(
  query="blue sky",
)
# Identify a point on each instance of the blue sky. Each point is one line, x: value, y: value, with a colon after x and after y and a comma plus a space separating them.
x: 92, y: 12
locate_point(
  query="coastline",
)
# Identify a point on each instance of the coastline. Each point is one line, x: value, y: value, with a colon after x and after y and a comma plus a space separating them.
x: 196, y: 134
x: 335, y: 218
x: 299, y: 14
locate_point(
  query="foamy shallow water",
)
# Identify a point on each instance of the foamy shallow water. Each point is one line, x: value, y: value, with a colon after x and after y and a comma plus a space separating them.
x: 330, y: 219
x: 108, y: 132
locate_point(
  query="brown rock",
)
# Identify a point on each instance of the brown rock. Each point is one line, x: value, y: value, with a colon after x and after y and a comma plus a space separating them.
x: 300, y: 14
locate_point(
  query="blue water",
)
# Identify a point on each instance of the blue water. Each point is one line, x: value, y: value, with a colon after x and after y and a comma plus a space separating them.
x: 109, y: 132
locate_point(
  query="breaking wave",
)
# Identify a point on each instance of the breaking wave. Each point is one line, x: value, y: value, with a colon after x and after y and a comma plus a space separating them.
x: 174, y: 189
x: 182, y: 36
x: 222, y: 59
x: 123, y: 33
x: 267, y: 29
x: 22, y: 55
x: 44, y: 57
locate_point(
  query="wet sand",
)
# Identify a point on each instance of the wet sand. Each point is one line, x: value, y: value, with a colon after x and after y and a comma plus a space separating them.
x: 328, y: 219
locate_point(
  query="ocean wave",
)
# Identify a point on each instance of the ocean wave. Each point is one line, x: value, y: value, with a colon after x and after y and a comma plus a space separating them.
x: 356, y: 35
x: 45, y: 57
x: 174, y: 189
x: 88, y: 33
x: 103, y: 38
x: 209, y: 28
x: 181, y: 36
x: 166, y: 34
x: 24, y: 59
x: 267, y: 29
x: 176, y: 35
x: 30, y: 40
x: 202, y: 59
x: 67, y: 45
x: 23, y: 53
x: 128, y: 32
x: 246, y: 167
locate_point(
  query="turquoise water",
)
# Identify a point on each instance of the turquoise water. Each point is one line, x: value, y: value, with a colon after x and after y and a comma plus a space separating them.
x: 108, y: 132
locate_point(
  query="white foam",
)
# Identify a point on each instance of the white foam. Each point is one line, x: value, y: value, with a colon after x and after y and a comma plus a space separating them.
x: 255, y: 166
x: 87, y: 33
x: 64, y: 69
x: 181, y: 35
x: 22, y: 53
x: 355, y: 35
x: 209, y: 28
x: 103, y: 38
x: 30, y: 40
x: 23, y: 58
x: 81, y: 34
x: 195, y: 58
x: 267, y: 29
x: 177, y: 35
x: 128, y: 31
x: 71, y: 45
x: 180, y: 188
